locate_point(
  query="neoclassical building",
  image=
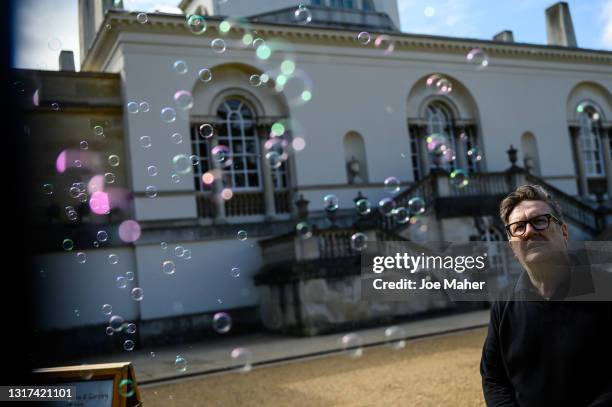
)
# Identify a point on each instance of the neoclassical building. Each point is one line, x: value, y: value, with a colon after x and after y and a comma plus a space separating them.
x: 271, y: 110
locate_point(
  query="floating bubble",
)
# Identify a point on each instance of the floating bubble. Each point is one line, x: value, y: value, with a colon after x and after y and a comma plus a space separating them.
x: 436, y: 143
x: 183, y: 100
x: 222, y: 322
x: 478, y: 58
x: 68, y: 244
x: 418, y: 223
x: 392, y: 185
x: 132, y: 107
x: 142, y: 18
x: 47, y: 189
x: 145, y: 141
x: 177, y: 138
x: 180, y: 363
x: 221, y: 154
x: 459, y: 178
x: 463, y: 137
x: 287, y: 67
x: 102, y: 236
x: 77, y: 313
x: 195, y: 160
x: 304, y: 230
x: 152, y: 170
x: 263, y: 52
x: 163, y: 245
x: 128, y: 345
x: 130, y: 328
x: 121, y: 282
x: 129, y: 231
x: 395, y: 337
x: 235, y: 272
x: 255, y: 80
x: 205, y: 75
x: 302, y: 15
x: 35, y: 98
x: 385, y: 42
x: 474, y: 154
x: 144, y: 107
x: 126, y: 387
x: 401, y: 215
x: 109, y: 331
x: 109, y: 178
x: 258, y: 42
x: 187, y: 254
x: 439, y: 83
x: 98, y: 130
x: 179, y: 251
x: 175, y: 179
x: 129, y: 275
x: 330, y: 202
x: 416, y: 205
x: 359, y: 241
x: 113, y: 258
x: 208, y: 178
x: 153, y: 354
x: 449, y: 155
x: 116, y: 323
x: 196, y: 24
x: 107, y: 309
x: 298, y: 144
x: 363, y: 206
x: 81, y: 257
x: 242, y: 235
x: 151, y: 191
x: 54, y: 44
x: 113, y: 160
x: 168, y: 114
x: 364, y: 38
x: 84, y: 145
x: 352, y: 345
x: 243, y: 358
x: 218, y: 45
x: 386, y: 206
x: 274, y: 159
x: 277, y: 129
x: 206, y: 130
x: 78, y: 163
x: 227, y: 194
x: 429, y: 11
x: 168, y: 267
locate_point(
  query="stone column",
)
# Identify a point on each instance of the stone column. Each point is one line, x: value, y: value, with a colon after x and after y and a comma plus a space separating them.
x: 583, y: 188
x: 266, y: 172
x: 461, y: 153
x: 217, y: 186
x: 605, y: 139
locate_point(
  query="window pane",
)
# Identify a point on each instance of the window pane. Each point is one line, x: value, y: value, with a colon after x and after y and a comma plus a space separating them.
x: 238, y: 163
x: 253, y: 180
x: 251, y: 147
x: 239, y: 180
x: 252, y: 162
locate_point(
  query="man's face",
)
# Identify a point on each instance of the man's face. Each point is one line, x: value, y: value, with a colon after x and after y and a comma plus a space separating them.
x: 533, y: 245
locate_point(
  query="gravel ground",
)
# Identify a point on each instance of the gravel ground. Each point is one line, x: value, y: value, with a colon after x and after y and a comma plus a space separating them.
x: 438, y: 371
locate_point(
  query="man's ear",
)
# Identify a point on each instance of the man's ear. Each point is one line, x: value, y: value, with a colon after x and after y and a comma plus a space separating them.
x: 565, y: 232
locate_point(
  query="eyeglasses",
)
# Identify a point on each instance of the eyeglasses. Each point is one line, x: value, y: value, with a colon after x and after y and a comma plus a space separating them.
x: 540, y: 222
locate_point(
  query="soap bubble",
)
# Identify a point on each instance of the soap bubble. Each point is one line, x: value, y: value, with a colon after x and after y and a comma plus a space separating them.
x: 392, y: 185
x: 180, y: 363
x: 416, y: 205
x: 359, y: 241
x: 364, y: 38
x: 218, y: 45
x: 386, y: 206
x: 352, y: 345
x: 459, y: 178
x: 330, y: 202
x: 222, y: 322
x: 302, y: 15
x: 142, y: 18
x: 168, y: 114
x: 478, y: 58
x: 395, y: 337
x: 363, y: 206
x: 183, y: 100
x: 243, y: 358
x: 205, y: 75
x: 196, y: 24
x: 304, y: 230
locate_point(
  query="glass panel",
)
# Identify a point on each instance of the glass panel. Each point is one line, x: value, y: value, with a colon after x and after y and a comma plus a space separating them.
x: 253, y: 179
x: 239, y: 180
x: 238, y: 163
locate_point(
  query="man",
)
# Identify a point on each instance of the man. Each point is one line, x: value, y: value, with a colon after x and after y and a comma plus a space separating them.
x: 542, y: 347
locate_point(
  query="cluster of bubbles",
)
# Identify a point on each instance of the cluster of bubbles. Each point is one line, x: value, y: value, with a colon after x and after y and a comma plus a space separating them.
x: 439, y: 83
x: 135, y: 107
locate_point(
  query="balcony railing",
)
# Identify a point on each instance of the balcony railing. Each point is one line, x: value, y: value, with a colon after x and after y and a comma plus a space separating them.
x: 243, y: 204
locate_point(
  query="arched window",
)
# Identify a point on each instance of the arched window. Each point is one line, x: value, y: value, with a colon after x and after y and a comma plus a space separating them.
x: 590, y: 141
x: 439, y: 121
x: 235, y: 130
x: 355, y: 159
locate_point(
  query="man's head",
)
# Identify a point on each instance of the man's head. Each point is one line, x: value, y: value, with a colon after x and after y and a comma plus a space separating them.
x: 534, y: 225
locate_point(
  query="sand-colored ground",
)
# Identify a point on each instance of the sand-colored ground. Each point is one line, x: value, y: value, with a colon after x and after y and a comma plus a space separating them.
x: 440, y: 371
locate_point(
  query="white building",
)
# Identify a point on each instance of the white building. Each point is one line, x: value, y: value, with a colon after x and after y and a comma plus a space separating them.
x: 361, y: 110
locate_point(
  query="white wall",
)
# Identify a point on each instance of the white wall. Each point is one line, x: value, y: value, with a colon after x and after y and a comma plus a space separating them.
x: 65, y: 285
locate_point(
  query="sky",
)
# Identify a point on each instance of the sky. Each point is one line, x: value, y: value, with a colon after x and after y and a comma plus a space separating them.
x: 44, y: 27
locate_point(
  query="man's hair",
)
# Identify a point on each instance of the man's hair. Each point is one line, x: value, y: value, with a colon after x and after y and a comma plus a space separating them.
x: 528, y: 193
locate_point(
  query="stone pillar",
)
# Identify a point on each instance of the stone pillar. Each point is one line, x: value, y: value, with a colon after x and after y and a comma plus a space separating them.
x: 217, y: 186
x: 461, y: 153
x: 583, y: 188
x: 605, y: 139
x: 266, y: 172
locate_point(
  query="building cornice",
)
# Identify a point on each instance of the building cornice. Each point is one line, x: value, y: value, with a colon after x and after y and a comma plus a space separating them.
x: 175, y: 24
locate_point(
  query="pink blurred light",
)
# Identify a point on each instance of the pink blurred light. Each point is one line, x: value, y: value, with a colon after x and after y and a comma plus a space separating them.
x: 129, y: 231
x: 60, y: 162
x: 96, y: 184
x: 99, y: 203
